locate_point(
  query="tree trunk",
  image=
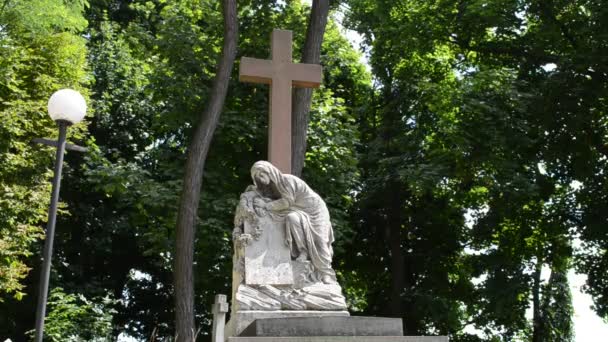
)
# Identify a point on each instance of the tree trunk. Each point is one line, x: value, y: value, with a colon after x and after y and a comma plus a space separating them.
x: 311, y: 53
x: 537, y: 335
x: 397, y: 257
x: 197, y: 153
x: 397, y: 271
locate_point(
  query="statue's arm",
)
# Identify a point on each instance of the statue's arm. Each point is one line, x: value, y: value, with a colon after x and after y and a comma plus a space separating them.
x: 278, y: 205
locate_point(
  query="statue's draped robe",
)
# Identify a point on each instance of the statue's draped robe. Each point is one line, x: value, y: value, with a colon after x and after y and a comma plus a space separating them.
x: 311, y: 213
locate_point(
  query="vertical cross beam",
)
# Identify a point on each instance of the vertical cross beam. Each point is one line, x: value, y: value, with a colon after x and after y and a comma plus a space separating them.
x: 279, y: 125
x: 219, y: 309
x: 281, y: 74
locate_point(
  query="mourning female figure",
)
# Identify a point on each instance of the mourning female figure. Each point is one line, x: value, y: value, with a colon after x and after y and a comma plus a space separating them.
x: 309, y: 233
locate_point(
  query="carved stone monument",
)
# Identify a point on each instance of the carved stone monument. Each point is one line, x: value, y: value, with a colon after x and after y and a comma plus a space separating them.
x: 282, y: 252
x: 283, y: 280
x: 281, y: 74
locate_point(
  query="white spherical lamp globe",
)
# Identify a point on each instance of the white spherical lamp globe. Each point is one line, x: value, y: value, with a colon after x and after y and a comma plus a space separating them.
x: 68, y: 105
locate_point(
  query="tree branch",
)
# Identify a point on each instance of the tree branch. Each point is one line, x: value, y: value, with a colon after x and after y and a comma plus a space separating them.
x: 547, y: 12
x: 311, y: 53
x: 4, y: 4
x: 516, y: 51
x: 193, y: 179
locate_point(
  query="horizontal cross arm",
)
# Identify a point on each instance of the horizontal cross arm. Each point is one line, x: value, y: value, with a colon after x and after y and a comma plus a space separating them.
x: 306, y: 75
x: 53, y: 143
x: 255, y: 70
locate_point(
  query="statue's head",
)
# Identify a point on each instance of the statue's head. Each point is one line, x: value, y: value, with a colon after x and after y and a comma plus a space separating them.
x: 262, y: 177
x: 263, y: 173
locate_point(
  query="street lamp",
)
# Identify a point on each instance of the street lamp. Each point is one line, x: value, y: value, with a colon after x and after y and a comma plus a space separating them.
x: 66, y: 107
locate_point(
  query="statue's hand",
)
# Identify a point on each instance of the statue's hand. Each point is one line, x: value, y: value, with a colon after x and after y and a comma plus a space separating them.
x: 244, y: 239
x: 260, y: 203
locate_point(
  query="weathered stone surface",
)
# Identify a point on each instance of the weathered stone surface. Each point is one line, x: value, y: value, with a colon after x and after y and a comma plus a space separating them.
x: 323, y: 297
x: 249, y: 298
x: 282, y: 247
x: 285, y: 297
x: 267, y: 258
x: 219, y: 309
x: 282, y: 250
x: 324, y: 326
x: 302, y: 273
x: 240, y: 320
x: 343, y: 339
x: 313, y: 297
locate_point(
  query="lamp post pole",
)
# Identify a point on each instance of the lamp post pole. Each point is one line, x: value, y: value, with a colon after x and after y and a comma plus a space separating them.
x: 50, y: 232
x: 66, y: 107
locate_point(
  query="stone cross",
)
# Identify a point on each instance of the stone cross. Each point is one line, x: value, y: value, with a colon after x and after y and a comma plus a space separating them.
x: 220, y: 308
x: 281, y: 73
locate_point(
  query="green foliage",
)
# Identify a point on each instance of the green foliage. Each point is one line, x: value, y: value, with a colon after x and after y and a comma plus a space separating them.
x: 75, y: 318
x: 463, y: 165
x: 494, y: 108
x: 557, y: 309
x: 153, y: 64
x: 42, y: 17
x: 40, y: 53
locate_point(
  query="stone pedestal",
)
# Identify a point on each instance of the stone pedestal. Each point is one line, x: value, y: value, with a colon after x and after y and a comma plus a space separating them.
x: 276, y: 327
x: 342, y: 339
x: 324, y: 326
x: 242, y: 319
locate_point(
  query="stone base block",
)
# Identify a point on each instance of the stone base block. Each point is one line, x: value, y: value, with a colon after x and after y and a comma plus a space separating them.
x: 343, y: 339
x: 324, y: 326
x: 242, y: 319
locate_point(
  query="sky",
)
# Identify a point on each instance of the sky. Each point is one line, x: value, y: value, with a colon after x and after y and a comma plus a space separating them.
x: 587, y: 325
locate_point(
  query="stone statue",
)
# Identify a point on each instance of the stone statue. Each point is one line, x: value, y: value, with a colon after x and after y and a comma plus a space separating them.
x: 309, y: 234
x: 282, y: 251
x: 282, y: 267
